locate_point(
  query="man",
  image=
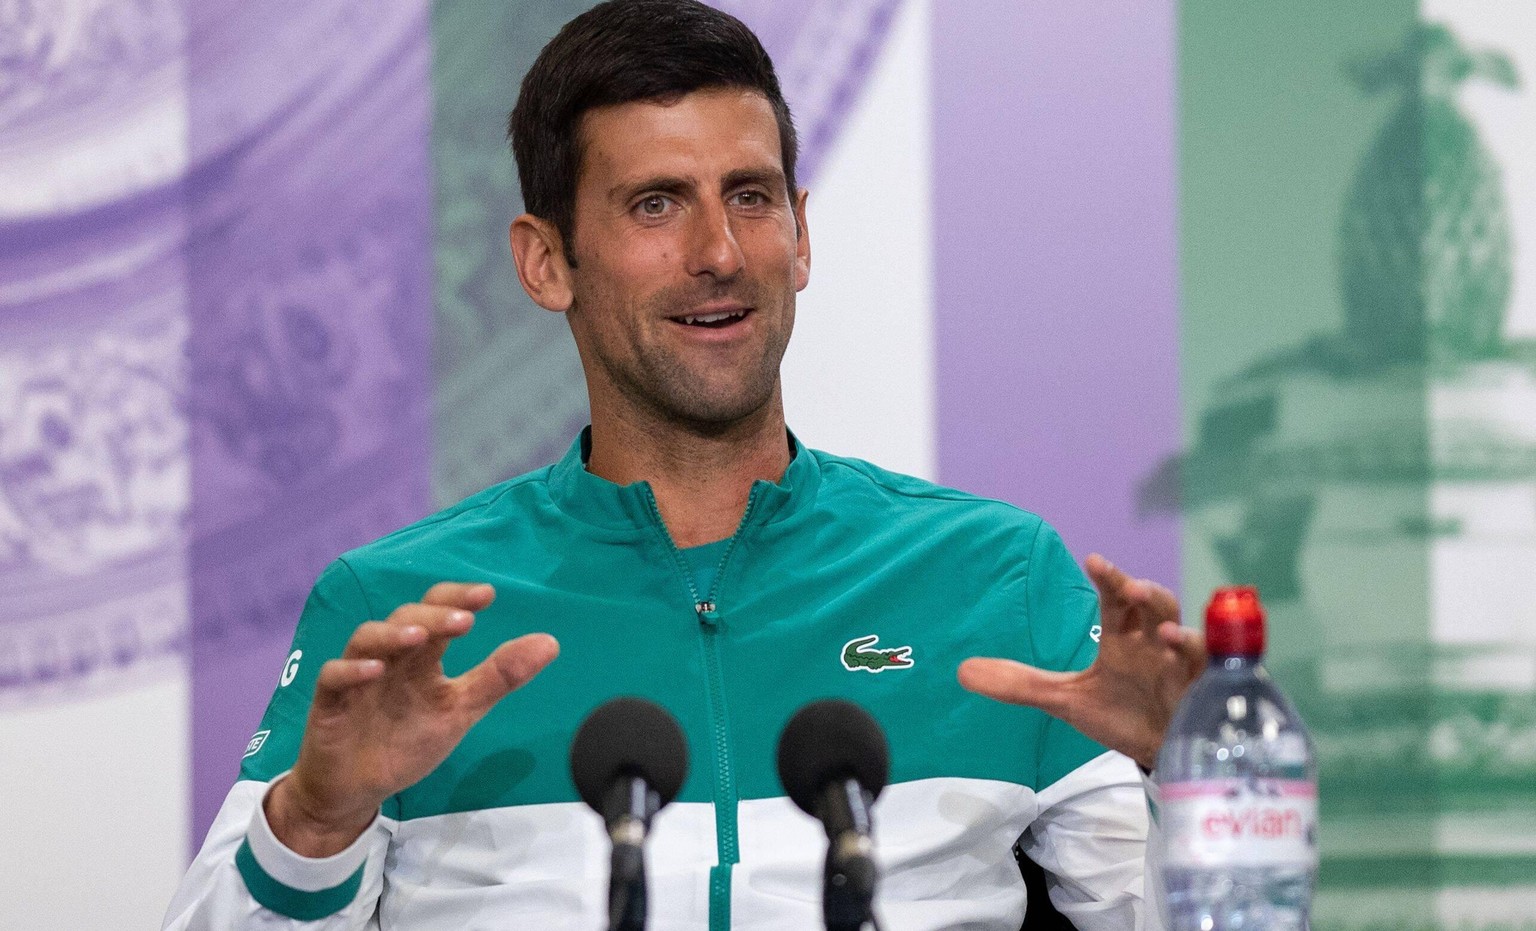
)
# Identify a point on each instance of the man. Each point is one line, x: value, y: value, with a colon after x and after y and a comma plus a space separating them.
x: 689, y: 550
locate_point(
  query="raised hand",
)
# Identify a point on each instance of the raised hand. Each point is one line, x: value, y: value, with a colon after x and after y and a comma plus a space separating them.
x: 1127, y: 697
x: 384, y: 715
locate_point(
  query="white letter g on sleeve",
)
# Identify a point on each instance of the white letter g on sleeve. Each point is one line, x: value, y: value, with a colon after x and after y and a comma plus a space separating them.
x: 292, y: 668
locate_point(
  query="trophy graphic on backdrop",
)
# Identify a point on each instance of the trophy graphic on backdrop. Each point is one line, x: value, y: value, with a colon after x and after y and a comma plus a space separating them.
x: 1379, y: 485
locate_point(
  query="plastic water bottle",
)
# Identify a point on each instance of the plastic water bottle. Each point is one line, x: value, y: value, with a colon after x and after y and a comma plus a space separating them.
x: 1237, y: 789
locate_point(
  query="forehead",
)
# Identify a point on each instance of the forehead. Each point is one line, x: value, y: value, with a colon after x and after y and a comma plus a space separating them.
x: 697, y: 135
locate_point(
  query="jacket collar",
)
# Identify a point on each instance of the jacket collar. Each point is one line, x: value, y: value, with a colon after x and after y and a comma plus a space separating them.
x: 597, y: 501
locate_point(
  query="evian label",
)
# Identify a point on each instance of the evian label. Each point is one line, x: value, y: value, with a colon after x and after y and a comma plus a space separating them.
x: 1239, y: 822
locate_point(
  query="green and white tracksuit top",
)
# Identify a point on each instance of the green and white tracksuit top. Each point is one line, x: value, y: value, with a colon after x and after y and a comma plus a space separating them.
x: 832, y: 565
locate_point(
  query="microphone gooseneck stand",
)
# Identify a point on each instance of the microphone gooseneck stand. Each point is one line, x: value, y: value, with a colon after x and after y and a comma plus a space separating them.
x: 631, y: 803
x: 848, y: 881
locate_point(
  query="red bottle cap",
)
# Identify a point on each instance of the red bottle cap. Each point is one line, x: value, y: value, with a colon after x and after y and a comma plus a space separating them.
x: 1234, y: 622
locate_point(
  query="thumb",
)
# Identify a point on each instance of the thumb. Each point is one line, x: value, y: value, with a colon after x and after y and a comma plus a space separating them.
x: 510, y: 667
x: 1016, y: 683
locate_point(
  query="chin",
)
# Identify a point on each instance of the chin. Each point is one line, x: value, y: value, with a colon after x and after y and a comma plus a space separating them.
x: 717, y: 412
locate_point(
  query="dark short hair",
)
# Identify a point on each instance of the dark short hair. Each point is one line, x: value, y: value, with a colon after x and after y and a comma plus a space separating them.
x: 619, y: 52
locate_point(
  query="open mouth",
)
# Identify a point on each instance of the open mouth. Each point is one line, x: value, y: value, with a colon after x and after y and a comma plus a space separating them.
x: 715, y: 321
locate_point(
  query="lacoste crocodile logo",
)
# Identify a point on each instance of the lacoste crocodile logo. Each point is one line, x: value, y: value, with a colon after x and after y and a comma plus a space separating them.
x: 855, y: 656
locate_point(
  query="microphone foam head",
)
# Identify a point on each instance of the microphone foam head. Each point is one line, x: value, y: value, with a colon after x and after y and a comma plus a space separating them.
x: 628, y: 737
x: 830, y: 740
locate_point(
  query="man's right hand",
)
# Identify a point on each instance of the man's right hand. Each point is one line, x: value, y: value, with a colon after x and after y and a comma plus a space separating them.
x: 384, y: 716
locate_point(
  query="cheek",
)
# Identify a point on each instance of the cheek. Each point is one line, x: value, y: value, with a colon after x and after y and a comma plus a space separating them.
x: 612, y: 306
x: 602, y: 284
x: 773, y: 245
x: 631, y: 275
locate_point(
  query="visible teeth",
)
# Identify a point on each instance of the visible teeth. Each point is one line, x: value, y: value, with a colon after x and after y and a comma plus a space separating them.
x: 714, y: 318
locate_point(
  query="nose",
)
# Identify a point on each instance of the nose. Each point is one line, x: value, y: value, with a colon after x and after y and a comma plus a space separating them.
x: 713, y: 249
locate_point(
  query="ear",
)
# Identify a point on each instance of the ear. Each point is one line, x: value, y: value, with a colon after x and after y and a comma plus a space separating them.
x: 802, y: 242
x: 539, y: 255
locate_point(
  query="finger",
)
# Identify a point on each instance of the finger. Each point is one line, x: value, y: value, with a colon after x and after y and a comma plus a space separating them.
x: 471, y: 596
x: 1188, y: 644
x: 379, y: 640
x: 339, y: 675
x: 1182, y: 639
x: 1111, y: 583
x: 1164, y: 604
x: 1017, y: 684
x: 436, y: 620
x: 507, y: 669
x: 1151, y: 604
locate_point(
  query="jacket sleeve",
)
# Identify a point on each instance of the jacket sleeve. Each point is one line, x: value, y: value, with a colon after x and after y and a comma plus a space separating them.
x: 1091, y: 833
x: 243, y: 877
x: 1094, y: 838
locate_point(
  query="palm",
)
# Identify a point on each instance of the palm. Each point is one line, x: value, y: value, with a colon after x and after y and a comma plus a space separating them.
x: 385, y: 715
x: 1127, y: 697
x: 392, y: 731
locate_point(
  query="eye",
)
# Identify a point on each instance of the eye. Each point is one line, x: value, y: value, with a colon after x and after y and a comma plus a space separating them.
x: 750, y: 199
x: 654, y: 205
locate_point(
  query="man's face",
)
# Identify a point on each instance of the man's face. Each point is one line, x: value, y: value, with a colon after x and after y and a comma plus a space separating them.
x: 687, y: 257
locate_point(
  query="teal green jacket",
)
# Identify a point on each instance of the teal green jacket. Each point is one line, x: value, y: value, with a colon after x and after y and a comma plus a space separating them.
x: 843, y: 580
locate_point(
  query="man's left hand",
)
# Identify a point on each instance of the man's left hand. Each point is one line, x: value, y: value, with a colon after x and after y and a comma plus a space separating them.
x: 1127, y: 697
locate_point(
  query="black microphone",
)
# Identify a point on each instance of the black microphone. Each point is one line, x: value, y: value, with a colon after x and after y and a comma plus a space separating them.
x: 833, y: 762
x: 628, y: 760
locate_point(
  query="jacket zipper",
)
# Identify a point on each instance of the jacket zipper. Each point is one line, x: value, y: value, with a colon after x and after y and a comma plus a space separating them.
x: 707, y: 611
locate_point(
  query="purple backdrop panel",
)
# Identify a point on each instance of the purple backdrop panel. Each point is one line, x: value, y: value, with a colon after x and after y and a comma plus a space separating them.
x: 93, y: 439
x: 310, y: 303
x: 1055, y: 272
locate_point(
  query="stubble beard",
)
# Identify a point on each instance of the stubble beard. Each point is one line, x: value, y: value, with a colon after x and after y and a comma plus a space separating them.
x: 659, y: 386
x: 676, y: 395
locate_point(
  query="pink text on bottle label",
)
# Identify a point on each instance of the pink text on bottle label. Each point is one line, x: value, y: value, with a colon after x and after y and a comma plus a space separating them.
x: 1239, y: 822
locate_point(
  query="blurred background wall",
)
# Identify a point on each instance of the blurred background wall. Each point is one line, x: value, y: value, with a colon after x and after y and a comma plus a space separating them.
x: 1232, y: 292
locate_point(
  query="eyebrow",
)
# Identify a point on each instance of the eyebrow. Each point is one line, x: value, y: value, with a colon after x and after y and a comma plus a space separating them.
x: 767, y: 177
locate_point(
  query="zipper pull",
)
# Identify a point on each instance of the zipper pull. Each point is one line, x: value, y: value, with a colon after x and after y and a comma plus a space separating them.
x: 706, y: 611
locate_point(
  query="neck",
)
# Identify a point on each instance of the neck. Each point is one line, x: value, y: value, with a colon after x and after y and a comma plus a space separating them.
x: 701, y: 477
